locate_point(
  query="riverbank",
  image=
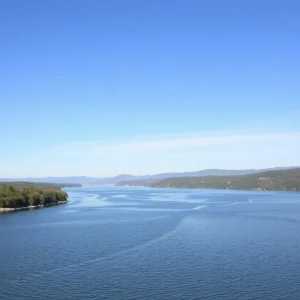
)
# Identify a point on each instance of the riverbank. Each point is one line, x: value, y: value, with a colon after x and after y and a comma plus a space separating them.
x: 14, y: 209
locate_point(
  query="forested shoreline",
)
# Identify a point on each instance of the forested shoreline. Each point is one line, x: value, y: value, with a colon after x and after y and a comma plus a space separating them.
x: 43, y: 185
x: 279, y: 180
x: 283, y: 180
x: 15, y: 197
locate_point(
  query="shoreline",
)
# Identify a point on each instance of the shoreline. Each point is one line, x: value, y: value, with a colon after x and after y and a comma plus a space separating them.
x: 208, y: 188
x: 15, y: 209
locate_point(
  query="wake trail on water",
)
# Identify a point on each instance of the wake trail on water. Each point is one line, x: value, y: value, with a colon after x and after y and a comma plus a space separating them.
x: 75, y: 266
x: 199, y: 207
x: 99, y: 222
x: 231, y: 204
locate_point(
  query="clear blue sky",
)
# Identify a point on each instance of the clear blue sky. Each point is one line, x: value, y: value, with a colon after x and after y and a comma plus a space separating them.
x: 107, y: 87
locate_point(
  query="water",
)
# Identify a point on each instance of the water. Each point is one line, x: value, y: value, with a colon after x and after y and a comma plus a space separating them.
x: 138, y: 243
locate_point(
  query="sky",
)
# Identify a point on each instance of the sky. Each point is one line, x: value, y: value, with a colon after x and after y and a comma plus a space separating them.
x: 101, y: 88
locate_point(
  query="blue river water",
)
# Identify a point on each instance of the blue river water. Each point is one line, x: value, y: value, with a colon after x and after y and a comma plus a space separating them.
x: 140, y: 243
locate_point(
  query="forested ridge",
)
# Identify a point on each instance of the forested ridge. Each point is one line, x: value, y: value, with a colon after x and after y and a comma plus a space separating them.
x: 43, y: 185
x: 283, y: 180
x: 22, y: 196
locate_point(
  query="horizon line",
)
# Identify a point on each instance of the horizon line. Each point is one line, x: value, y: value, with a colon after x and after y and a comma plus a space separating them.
x: 142, y: 175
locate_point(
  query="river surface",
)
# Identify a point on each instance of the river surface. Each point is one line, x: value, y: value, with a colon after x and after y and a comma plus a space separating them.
x: 140, y: 243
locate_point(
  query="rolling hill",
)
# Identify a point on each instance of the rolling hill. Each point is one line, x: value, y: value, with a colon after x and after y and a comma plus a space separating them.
x: 127, y: 179
x: 281, y: 180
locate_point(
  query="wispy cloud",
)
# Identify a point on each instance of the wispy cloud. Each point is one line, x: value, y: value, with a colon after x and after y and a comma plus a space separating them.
x: 167, y: 144
x: 166, y: 153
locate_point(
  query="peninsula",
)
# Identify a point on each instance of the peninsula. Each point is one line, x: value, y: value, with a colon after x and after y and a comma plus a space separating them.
x: 22, y: 195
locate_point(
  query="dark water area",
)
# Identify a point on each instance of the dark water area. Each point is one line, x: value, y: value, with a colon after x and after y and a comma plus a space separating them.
x: 140, y: 243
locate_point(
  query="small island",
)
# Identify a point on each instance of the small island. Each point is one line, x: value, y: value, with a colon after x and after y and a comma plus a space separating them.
x: 21, y: 196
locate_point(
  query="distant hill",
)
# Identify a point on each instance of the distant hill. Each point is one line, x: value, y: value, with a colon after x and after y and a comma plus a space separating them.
x: 280, y: 180
x: 125, y: 179
x: 69, y: 180
x: 42, y: 185
x: 116, y: 179
x: 209, y: 172
x: 138, y: 182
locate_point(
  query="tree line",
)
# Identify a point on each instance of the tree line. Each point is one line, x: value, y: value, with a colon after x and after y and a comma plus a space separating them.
x: 14, y: 197
x: 282, y: 180
x: 42, y: 185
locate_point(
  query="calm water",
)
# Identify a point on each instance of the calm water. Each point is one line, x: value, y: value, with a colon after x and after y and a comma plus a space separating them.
x: 121, y: 243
